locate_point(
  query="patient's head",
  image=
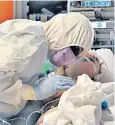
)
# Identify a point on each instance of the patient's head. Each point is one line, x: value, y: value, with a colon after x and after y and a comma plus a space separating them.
x: 83, y: 65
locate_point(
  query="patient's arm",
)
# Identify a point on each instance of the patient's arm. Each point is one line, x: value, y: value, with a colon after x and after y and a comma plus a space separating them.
x: 40, y: 121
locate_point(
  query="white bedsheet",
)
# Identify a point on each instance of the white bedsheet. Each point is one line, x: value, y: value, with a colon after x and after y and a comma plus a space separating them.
x: 108, y: 116
x: 81, y: 105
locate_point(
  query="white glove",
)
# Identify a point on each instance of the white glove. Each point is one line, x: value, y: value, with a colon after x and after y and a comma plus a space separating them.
x: 48, y: 86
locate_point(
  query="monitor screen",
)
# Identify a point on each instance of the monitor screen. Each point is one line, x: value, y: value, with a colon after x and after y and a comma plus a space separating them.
x: 92, y: 3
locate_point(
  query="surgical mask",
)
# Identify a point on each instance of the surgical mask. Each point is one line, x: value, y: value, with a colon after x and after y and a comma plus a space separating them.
x: 63, y: 57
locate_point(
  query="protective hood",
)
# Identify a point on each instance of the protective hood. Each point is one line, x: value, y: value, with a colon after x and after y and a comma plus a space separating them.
x: 71, y: 29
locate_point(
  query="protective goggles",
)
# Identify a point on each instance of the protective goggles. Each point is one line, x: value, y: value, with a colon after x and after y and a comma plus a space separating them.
x: 65, y: 56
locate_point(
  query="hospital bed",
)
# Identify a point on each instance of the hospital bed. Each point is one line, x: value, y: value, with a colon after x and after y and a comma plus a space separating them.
x: 37, y: 10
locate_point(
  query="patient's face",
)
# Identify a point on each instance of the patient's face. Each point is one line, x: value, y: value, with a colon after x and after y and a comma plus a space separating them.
x: 91, y: 68
x: 48, y: 114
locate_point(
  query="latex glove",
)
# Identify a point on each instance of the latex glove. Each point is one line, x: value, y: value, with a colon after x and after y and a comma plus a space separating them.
x: 48, y: 86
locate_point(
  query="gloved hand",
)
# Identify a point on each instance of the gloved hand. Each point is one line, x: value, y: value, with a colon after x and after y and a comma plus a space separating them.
x: 48, y: 86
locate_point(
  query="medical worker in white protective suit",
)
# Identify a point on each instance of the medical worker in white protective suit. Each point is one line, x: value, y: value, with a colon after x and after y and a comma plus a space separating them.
x: 77, y: 35
x: 23, y: 50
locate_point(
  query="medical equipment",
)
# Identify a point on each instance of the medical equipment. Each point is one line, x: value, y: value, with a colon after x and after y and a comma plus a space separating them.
x: 104, y: 104
x: 44, y: 109
x: 94, y: 10
x: 45, y: 10
x: 101, y: 14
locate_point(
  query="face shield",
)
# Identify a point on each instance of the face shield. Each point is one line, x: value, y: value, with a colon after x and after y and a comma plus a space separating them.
x: 63, y: 57
x: 66, y: 56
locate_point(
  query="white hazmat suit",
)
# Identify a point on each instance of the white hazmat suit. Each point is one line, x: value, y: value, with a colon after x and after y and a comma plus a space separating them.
x: 23, y: 49
x: 21, y: 45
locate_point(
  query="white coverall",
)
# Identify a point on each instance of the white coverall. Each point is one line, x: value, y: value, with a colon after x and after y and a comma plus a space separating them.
x: 23, y: 49
x: 21, y: 45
